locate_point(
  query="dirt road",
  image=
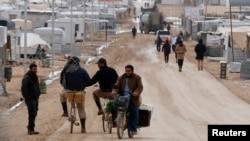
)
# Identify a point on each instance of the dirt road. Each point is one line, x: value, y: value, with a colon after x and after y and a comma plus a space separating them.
x: 184, y: 102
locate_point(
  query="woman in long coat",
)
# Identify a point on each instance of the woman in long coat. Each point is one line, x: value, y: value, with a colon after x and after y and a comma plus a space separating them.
x: 200, y: 50
x: 180, y: 51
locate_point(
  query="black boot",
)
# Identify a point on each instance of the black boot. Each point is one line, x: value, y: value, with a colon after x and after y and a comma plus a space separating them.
x: 98, y: 104
x: 83, y: 129
x: 65, y: 109
x: 31, y: 131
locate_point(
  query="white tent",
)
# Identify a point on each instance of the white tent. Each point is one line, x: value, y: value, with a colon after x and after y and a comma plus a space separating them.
x: 33, y: 40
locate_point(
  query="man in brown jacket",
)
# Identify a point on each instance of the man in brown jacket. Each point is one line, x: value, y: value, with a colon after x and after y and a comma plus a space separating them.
x: 130, y: 83
x: 180, y: 51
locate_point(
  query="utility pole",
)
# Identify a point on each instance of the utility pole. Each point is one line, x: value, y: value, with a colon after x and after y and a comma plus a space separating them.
x: 92, y: 19
x: 25, y: 37
x: 232, y: 44
x: 83, y: 27
x: 71, y: 27
x: 53, y: 30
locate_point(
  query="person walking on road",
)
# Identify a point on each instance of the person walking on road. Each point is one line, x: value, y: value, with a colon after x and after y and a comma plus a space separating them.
x: 131, y: 83
x: 166, y: 49
x: 74, y: 80
x: 173, y: 44
x: 178, y: 39
x: 31, y: 92
x: 158, y: 43
x: 180, y: 50
x: 200, y: 50
x: 168, y: 27
x: 134, y: 31
x: 106, y: 77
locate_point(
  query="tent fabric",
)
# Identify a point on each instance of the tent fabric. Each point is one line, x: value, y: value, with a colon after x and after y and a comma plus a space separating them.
x: 32, y: 40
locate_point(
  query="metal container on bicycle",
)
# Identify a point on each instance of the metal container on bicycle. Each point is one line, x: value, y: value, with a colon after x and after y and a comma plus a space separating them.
x: 122, y: 101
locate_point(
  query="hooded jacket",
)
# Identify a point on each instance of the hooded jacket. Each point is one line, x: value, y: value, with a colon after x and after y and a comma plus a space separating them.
x: 180, y: 50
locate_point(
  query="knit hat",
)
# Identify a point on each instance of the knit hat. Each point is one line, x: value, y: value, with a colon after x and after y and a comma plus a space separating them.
x: 74, y: 60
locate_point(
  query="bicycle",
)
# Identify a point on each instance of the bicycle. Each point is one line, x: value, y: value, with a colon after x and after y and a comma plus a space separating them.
x: 73, y: 98
x: 122, y: 117
x: 107, y: 117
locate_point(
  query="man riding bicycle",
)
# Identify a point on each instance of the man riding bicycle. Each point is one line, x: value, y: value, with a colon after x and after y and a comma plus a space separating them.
x: 130, y: 83
x: 73, y: 79
x: 106, y: 77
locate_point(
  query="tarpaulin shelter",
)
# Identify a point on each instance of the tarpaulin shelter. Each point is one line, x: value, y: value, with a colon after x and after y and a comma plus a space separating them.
x: 33, y: 40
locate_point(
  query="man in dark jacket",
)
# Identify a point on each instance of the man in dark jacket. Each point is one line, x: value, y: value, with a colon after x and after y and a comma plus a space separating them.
x: 31, y: 92
x: 158, y: 43
x: 106, y: 77
x: 166, y: 49
x: 134, y: 31
x: 74, y: 79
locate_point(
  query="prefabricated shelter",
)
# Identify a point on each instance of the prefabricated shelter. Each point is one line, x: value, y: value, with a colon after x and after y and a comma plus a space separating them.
x: 207, y: 2
x: 7, y: 23
x: 74, y: 28
x: 239, y: 43
x: 57, y: 40
x: 38, y: 17
x: 172, y: 2
x: 239, y: 2
x: 20, y: 23
x: 245, y: 65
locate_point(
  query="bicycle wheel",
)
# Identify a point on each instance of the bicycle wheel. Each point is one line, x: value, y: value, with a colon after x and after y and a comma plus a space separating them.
x: 120, y: 125
x: 71, y: 123
x: 72, y: 117
x: 110, y: 123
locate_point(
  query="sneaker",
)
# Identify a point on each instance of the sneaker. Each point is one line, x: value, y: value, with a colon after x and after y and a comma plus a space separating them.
x: 33, y: 132
x: 133, y: 133
x: 100, y: 112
